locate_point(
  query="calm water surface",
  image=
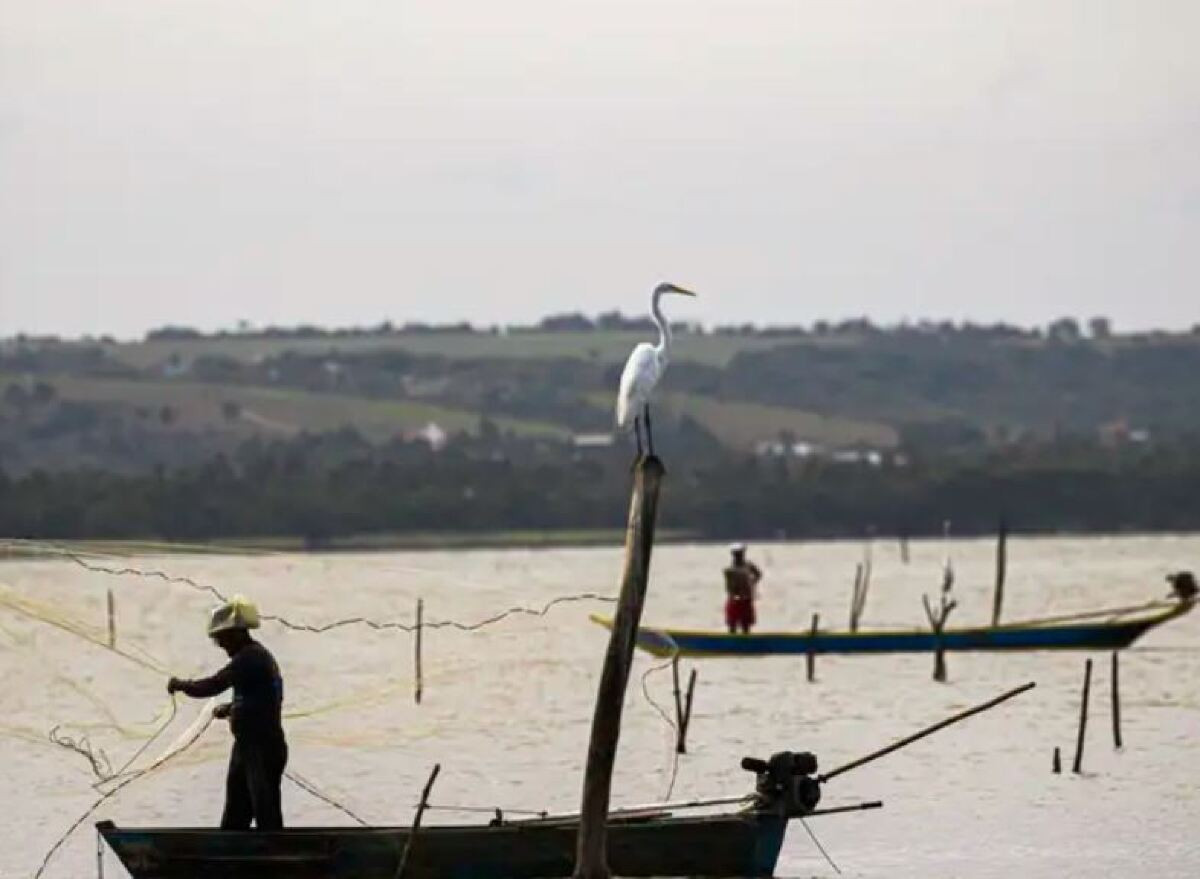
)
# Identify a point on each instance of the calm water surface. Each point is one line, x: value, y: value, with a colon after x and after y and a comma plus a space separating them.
x: 507, y: 709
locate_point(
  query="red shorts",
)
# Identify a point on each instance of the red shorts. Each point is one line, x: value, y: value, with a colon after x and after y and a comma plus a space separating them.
x: 739, y: 613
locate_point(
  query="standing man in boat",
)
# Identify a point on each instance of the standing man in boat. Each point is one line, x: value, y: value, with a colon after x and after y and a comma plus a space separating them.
x: 741, y: 590
x: 260, y: 752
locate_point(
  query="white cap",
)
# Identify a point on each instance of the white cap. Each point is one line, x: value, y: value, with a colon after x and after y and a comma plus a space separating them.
x: 737, y: 547
x: 237, y: 613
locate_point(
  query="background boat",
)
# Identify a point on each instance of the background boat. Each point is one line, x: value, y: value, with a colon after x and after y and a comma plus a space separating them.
x: 1111, y: 629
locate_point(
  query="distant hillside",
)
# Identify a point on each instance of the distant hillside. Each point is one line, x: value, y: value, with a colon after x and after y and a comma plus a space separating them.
x: 179, y: 397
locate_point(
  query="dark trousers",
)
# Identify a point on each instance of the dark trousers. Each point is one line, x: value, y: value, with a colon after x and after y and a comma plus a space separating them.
x: 252, y: 785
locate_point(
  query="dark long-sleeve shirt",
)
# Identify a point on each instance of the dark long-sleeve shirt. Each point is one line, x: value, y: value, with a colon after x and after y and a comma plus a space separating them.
x: 257, y: 692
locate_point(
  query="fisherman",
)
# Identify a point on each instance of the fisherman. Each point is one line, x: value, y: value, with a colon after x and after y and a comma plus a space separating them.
x: 741, y: 590
x: 260, y: 752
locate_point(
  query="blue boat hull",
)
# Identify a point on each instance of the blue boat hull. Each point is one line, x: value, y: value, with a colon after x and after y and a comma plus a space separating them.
x: 1112, y: 634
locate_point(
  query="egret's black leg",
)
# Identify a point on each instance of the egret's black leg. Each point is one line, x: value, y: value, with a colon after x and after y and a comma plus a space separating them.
x: 649, y: 432
x: 637, y: 432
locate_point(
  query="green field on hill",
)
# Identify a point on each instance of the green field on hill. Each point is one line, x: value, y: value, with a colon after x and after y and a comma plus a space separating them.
x: 605, y: 347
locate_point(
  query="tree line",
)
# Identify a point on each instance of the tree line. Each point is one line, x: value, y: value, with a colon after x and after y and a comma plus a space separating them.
x: 324, y: 487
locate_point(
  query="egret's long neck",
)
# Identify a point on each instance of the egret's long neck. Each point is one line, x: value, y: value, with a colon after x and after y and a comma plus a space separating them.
x: 664, y: 328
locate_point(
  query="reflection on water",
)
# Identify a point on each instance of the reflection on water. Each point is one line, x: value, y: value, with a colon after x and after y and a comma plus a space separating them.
x: 507, y: 710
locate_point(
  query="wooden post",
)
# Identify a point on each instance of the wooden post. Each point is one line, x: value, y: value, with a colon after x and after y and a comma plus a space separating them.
x: 1116, y: 701
x: 1057, y: 760
x: 591, y: 852
x: 112, y: 621
x: 678, y: 700
x: 855, y: 596
x: 418, y: 683
x: 937, y: 622
x: 810, y: 660
x: 903, y: 547
x: 1001, y: 571
x: 1083, y: 713
x: 687, y: 710
x: 685, y: 716
x: 402, y: 866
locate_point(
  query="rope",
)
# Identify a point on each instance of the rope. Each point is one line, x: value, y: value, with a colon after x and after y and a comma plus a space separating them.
x: 337, y: 624
x: 309, y: 788
x: 112, y: 793
x: 666, y: 719
x: 820, y: 847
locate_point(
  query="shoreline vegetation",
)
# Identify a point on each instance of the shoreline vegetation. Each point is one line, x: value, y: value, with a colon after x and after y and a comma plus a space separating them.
x: 19, y: 550
x: 25, y: 549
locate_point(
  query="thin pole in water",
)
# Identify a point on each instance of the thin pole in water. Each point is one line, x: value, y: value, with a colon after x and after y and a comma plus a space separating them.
x: 810, y: 659
x: 1116, y: 701
x: 412, y: 834
x: 1083, y: 716
x: 685, y: 721
x: 1001, y: 571
x: 112, y: 621
x: 929, y: 730
x: 418, y: 683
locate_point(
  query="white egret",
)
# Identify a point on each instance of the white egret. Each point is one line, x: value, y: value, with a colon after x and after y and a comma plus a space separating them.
x: 643, y: 370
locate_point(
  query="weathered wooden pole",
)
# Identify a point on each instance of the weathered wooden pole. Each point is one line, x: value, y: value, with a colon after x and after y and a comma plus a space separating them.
x: 418, y: 683
x: 1057, y: 769
x: 112, y: 620
x: 810, y: 659
x: 1001, y: 571
x: 904, y: 547
x: 1116, y: 701
x: 402, y: 866
x: 1083, y: 715
x: 591, y: 855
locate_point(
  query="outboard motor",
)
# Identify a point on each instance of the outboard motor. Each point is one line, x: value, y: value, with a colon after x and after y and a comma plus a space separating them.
x: 785, y: 784
x: 1183, y: 585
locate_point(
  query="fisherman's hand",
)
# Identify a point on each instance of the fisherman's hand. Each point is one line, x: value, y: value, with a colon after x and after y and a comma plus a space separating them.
x: 174, y: 685
x: 223, y: 710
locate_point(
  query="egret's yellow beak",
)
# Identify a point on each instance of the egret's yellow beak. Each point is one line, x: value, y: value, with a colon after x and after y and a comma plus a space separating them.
x: 682, y: 291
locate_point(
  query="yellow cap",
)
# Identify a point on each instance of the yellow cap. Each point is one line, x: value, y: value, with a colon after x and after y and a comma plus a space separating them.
x: 237, y: 613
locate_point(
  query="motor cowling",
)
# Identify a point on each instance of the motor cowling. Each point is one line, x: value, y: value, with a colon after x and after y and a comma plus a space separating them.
x: 784, y: 783
x: 1183, y: 585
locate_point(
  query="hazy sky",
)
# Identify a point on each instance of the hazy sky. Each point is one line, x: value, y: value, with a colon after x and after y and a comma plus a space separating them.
x: 344, y: 162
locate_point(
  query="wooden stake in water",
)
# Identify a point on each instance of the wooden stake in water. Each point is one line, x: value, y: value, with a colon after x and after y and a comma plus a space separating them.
x: 937, y: 622
x: 416, y: 825
x: 1057, y: 760
x: 685, y: 720
x: 678, y: 699
x: 1001, y: 571
x: 1083, y: 715
x: 418, y: 683
x: 855, y: 597
x: 112, y: 620
x: 1116, y: 701
x: 810, y: 659
x: 591, y: 851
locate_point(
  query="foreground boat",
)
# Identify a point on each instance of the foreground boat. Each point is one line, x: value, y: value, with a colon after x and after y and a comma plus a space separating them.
x: 725, y: 845
x: 1111, y: 629
x: 647, y: 841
